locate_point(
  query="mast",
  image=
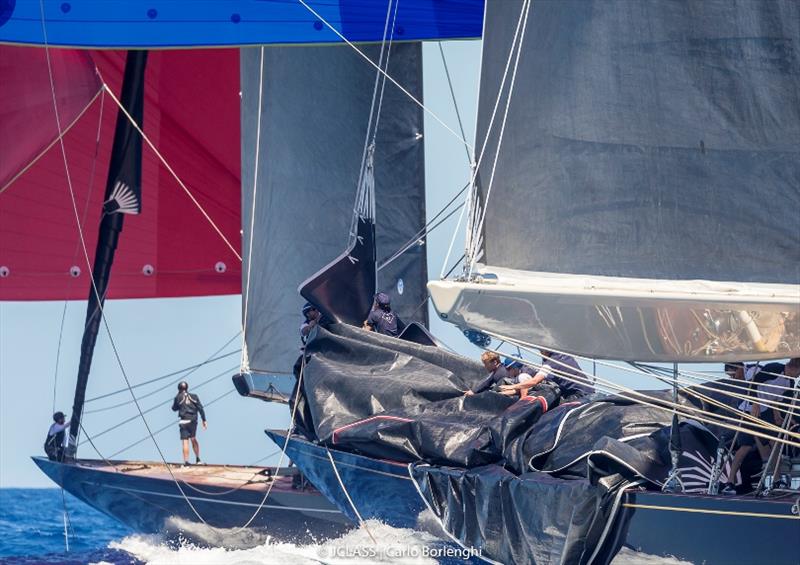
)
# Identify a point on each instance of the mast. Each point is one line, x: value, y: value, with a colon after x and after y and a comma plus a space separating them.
x: 122, y: 196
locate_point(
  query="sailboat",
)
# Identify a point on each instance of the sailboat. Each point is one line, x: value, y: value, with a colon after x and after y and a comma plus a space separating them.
x: 631, y: 159
x: 158, y: 496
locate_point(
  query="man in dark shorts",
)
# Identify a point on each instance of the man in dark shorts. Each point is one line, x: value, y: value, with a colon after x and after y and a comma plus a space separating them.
x: 187, y: 406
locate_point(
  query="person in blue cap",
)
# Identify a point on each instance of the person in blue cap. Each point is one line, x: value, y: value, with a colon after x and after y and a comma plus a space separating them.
x: 381, y: 319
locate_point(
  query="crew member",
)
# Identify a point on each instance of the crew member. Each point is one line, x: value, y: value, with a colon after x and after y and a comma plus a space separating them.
x: 381, y: 319
x: 54, y: 444
x: 312, y: 319
x: 498, y: 375
x: 767, y: 387
x: 188, y: 405
x: 560, y: 369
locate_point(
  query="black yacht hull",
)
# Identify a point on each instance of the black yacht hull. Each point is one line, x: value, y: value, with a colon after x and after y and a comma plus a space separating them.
x: 695, y: 528
x: 145, y: 497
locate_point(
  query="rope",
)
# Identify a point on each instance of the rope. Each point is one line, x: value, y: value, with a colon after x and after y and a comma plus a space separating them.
x: 44, y: 151
x: 172, y: 172
x: 361, y: 521
x: 392, y: 80
x: 244, y: 363
x: 285, y: 443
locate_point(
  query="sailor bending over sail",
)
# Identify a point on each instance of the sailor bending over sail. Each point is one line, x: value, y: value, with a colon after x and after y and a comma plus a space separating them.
x: 498, y: 375
x: 54, y: 444
x: 559, y: 369
x: 187, y: 406
x: 381, y: 319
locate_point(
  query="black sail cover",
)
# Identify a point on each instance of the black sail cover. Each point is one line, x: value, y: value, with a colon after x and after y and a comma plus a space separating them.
x: 314, y: 113
x: 526, y: 481
x: 645, y: 139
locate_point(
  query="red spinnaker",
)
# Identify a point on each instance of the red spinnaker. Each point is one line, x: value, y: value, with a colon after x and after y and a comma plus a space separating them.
x: 170, y: 249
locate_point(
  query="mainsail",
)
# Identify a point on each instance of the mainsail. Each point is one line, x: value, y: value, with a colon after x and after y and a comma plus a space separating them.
x: 314, y: 114
x: 639, y: 185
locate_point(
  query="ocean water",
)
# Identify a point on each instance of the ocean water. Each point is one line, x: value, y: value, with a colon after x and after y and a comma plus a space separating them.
x: 32, y: 532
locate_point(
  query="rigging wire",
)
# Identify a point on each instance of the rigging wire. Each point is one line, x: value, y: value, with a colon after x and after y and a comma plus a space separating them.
x: 426, y: 229
x: 479, y: 228
x: 149, y: 394
x: 474, y: 204
x: 470, y: 157
x: 365, y: 205
x: 392, y: 80
x: 77, y: 244
x: 172, y: 423
x: 472, y: 196
x: 208, y: 361
x: 86, y: 253
x: 161, y: 404
x: 382, y: 77
x: 618, y: 390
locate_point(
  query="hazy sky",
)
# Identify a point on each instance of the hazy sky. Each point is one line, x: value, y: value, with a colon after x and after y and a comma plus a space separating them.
x: 159, y: 336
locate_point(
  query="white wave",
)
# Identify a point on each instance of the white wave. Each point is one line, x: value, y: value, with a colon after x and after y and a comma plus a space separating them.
x: 629, y: 557
x: 394, y: 545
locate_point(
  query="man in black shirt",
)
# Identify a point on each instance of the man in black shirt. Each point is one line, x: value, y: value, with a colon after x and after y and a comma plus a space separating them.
x: 187, y: 406
x: 381, y: 319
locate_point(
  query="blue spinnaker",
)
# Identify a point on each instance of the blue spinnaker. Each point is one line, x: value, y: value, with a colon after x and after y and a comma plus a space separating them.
x: 188, y: 23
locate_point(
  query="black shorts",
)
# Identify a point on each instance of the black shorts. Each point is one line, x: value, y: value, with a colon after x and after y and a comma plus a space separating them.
x: 188, y: 431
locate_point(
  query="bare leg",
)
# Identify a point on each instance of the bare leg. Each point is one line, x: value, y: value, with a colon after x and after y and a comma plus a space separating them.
x: 196, y: 447
x: 763, y: 449
x: 185, y: 449
x: 738, y: 459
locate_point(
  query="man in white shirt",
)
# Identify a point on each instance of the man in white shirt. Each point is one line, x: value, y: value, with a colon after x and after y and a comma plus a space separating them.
x: 54, y: 444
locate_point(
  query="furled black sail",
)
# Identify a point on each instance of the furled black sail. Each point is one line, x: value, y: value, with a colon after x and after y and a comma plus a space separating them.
x: 533, y: 480
x: 644, y: 139
x: 314, y: 113
x: 123, y: 195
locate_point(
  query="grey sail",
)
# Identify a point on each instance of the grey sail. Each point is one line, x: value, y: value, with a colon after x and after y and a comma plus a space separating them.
x: 639, y: 190
x: 645, y: 139
x: 314, y: 114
